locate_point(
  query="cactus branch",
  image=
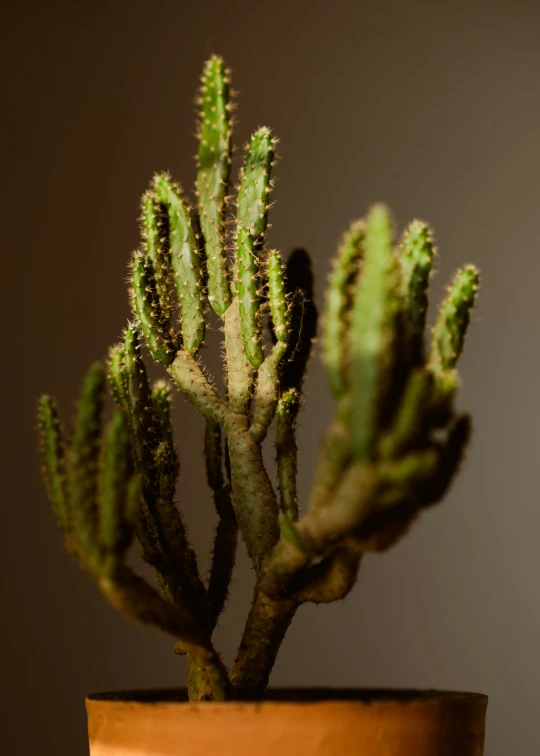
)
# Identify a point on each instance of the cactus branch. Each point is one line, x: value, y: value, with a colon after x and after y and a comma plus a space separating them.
x: 82, y: 465
x: 373, y: 332
x: 453, y: 320
x: 338, y: 306
x: 195, y: 386
x: 53, y: 455
x: 409, y: 425
x: 213, y: 161
x: 331, y: 579
x: 117, y: 377
x: 165, y: 455
x: 185, y: 262
x: 146, y: 304
x: 416, y: 259
x: 451, y: 454
x: 156, y: 247
x: 286, y: 452
x: 117, y: 487
x: 252, y: 220
x: 226, y: 536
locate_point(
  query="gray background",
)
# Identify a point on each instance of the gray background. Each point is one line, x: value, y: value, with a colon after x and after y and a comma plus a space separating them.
x: 432, y: 107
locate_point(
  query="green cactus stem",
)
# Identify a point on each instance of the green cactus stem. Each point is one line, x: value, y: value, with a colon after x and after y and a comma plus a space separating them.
x: 416, y: 257
x: 214, y: 162
x: 252, y: 221
x: 267, y: 387
x: 117, y: 377
x: 453, y: 320
x: 82, y: 464
x: 157, y: 252
x: 185, y: 262
x: 147, y: 306
x: 54, y: 463
x: 391, y: 450
x: 373, y: 331
x: 338, y: 307
x: 119, y: 491
x: 287, y: 451
x: 166, y: 456
x: 226, y: 536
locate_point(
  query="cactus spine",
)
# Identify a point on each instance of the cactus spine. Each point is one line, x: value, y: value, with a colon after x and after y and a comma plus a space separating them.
x: 392, y: 449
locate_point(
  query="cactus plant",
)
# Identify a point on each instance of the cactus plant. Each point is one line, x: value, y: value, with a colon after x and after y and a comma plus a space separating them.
x: 391, y: 451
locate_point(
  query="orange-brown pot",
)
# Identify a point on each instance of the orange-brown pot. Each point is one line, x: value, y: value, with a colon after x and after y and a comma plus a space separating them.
x: 289, y: 723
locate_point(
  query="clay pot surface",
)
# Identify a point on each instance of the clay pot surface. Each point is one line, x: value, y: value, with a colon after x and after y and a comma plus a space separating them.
x: 289, y: 723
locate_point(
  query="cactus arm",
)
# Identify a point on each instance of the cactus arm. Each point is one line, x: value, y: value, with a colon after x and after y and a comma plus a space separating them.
x: 225, y: 541
x: 373, y: 332
x: 53, y: 460
x: 277, y: 298
x: 143, y: 420
x: 251, y: 227
x: 213, y: 163
x: 223, y: 560
x: 338, y: 303
x: 195, y: 386
x: 115, y: 489
x: 180, y: 564
x: 156, y: 330
x: 161, y: 400
x: 409, y: 425
x: 213, y: 455
x: 416, y: 255
x: 286, y: 452
x: 117, y: 377
x: 402, y: 478
x: 266, y: 390
x: 265, y: 398
x: 185, y: 263
x: 82, y: 465
x: 451, y: 454
x: 453, y: 320
x: 319, y: 529
x: 157, y: 252
x: 165, y: 455
x: 130, y: 594
x: 332, y: 579
x: 255, y: 185
x: 248, y: 293
x: 240, y: 372
x: 334, y: 457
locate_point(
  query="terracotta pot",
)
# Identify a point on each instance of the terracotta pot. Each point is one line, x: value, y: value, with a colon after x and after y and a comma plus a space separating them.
x: 289, y: 723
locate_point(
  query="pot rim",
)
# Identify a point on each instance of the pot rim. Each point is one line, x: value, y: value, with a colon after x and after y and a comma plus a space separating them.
x: 295, y: 695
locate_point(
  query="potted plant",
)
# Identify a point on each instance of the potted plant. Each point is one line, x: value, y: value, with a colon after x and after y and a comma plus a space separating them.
x: 391, y: 451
